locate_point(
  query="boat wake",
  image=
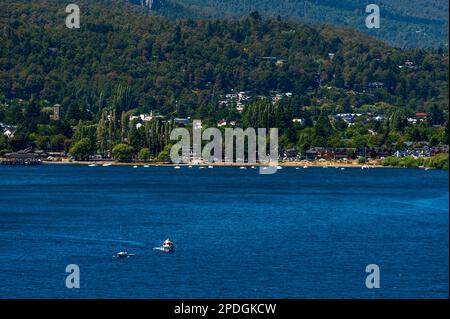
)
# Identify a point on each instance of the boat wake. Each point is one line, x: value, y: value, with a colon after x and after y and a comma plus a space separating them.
x: 100, y: 240
x: 127, y: 256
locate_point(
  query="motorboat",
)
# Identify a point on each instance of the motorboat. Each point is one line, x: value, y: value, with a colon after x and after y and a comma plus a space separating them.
x: 123, y: 254
x: 167, y: 246
x: 177, y: 167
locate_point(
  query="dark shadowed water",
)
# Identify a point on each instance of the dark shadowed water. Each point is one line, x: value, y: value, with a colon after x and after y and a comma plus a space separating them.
x: 307, y: 233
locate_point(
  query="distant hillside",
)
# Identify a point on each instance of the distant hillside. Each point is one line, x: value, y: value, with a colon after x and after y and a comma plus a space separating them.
x: 183, y: 67
x: 405, y: 23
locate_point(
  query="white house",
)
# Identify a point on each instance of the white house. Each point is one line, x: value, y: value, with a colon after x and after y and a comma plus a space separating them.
x: 298, y: 120
x: 8, y: 130
x: 221, y: 123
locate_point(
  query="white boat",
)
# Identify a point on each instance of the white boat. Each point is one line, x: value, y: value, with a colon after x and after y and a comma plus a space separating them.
x: 305, y: 166
x: 210, y: 166
x: 279, y: 167
x: 190, y: 166
x: 107, y: 164
x: 135, y: 166
x: 167, y: 246
x: 342, y: 168
x: 122, y: 254
x: 253, y: 167
x: 177, y: 167
x: 146, y: 166
x: 92, y: 165
x: 242, y: 167
x: 364, y: 167
x: 297, y: 168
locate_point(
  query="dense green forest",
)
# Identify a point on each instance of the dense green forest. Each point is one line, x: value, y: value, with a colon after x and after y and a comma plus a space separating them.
x: 122, y: 62
x: 405, y: 23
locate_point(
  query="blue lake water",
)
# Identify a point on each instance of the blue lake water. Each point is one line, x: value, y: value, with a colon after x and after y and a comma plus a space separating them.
x: 307, y: 233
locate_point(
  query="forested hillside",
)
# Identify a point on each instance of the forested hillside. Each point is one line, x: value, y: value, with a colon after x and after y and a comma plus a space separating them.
x: 192, y: 62
x: 122, y: 62
x: 405, y: 23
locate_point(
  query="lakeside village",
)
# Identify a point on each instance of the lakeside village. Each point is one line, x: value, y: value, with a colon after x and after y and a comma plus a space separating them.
x: 156, y: 128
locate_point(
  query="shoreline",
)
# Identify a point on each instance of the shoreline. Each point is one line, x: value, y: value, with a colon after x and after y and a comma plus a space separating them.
x: 330, y: 164
x: 296, y: 164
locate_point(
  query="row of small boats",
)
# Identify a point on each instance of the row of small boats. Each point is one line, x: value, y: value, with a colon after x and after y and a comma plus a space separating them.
x: 241, y: 167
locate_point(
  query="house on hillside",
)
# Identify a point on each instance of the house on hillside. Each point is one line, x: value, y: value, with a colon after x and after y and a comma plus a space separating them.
x: 421, y: 116
x: 439, y: 149
x: 56, y: 113
x: 316, y: 153
x: 221, y: 123
x: 311, y: 154
x: 182, y: 121
x: 145, y: 117
x: 375, y: 85
x: 379, y: 152
x: 300, y: 121
x: 344, y: 154
x: 8, y: 130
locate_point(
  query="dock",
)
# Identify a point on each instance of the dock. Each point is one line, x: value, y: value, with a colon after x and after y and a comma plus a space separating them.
x: 25, y: 157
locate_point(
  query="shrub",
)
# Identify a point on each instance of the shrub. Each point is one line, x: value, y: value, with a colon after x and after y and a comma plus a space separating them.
x: 409, y: 162
x: 439, y: 161
x: 361, y: 160
x: 82, y: 149
x: 164, y: 155
x: 122, y: 152
x: 391, y: 161
x: 144, y: 154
